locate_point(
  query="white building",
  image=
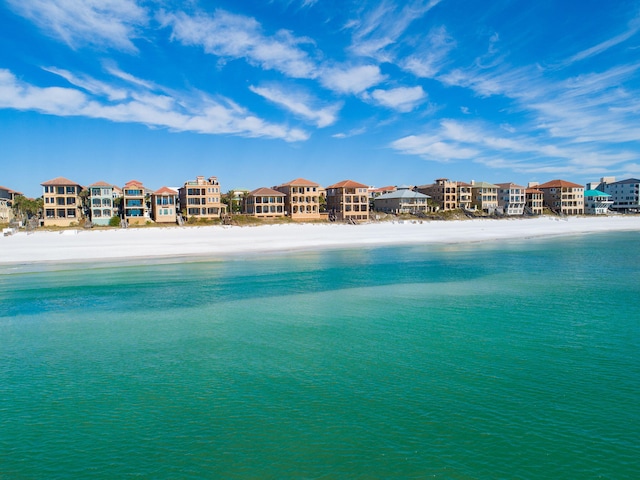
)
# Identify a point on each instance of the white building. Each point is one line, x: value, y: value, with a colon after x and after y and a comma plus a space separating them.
x: 596, y: 202
x: 511, y: 198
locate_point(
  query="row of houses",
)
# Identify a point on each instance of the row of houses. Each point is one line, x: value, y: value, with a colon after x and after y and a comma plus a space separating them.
x: 66, y: 202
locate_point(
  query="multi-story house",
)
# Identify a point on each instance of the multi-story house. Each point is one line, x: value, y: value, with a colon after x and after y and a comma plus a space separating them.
x: 511, y: 198
x: 596, y: 202
x: 6, y: 203
x: 164, y: 205
x: 348, y: 201
x: 62, y: 202
x: 101, y: 206
x: 464, y: 195
x: 134, y: 202
x: 201, y: 198
x: 484, y: 196
x: 443, y: 192
x: 534, y: 201
x: 625, y: 194
x: 302, y: 199
x: 563, y: 197
x: 403, y: 200
x: 264, y: 202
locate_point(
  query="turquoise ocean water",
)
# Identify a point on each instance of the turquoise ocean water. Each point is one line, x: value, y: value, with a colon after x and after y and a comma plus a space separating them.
x: 508, y: 360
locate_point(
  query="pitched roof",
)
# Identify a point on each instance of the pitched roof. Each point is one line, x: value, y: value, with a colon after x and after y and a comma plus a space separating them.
x: 10, y: 191
x: 133, y: 182
x: 389, y: 188
x: 298, y: 182
x: 595, y: 193
x: 401, y: 193
x: 348, y: 184
x: 483, y: 185
x: 559, y: 184
x: 166, y: 190
x: 101, y: 184
x: 266, y: 192
x: 533, y: 190
x: 60, y: 181
x: 509, y: 185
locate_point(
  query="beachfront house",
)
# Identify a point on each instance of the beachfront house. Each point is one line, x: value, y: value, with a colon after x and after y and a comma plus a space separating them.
x: 442, y: 192
x: 511, y: 198
x: 347, y: 201
x: 596, y: 202
x: 625, y: 194
x: 534, y: 201
x: 135, y: 209
x: 201, y: 198
x: 7, y: 197
x: 563, y: 197
x: 101, y: 203
x: 264, y: 202
x: 164, y: 205
x: 302, y: 199
x: 484, y: 196
x: 403, y: 200
x: 62, y: 203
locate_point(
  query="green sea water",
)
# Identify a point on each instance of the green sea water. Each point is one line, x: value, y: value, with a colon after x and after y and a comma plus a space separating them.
x: 514, y: 360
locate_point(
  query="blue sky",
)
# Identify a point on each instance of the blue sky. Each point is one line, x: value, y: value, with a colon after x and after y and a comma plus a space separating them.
x: 259, y: 93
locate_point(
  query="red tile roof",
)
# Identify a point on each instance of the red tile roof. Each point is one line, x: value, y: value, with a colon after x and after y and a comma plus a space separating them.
x: 60, y: 181
x: 268, y: 192
x: 300, y: 182
x: 348, y: 184
x: 559, y: 184
x: 101, y: 184
x: 166, y: 190
x: 133, y: 182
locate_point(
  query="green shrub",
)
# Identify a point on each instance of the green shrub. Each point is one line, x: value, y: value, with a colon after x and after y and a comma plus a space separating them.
x: 114, y: 221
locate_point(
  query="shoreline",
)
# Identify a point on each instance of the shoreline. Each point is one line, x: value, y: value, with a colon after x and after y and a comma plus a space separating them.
x: 123, y: 245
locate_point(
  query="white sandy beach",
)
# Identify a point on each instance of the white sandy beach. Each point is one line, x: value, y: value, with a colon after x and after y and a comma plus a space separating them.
x: 217, y: 241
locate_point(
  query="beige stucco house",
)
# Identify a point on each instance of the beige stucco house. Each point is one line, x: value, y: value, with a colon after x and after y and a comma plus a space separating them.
x: 302, y: 199
x: 348, y: 201
x: 201, y: 198
x: 62, y: 203
x: 264, y: 202
x: 164, y: 205
x: 565, y: 198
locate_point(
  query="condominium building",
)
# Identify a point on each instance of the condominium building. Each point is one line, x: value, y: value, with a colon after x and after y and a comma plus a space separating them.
x: 201, y: 198
x: 348, y: 201
x: 164, y: 205
x: 511, y: 198
x: 101, y: 207
x: 534, y: 201
x: 484, y: 196
x: 625, y: 194
x: 134, y: 202
x: 563, y: 197
x: 62, y: 203
x: 264, y: 202
x: 302, y: 199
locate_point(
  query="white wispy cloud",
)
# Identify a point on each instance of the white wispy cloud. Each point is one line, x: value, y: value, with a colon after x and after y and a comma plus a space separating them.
x: 237, y: 36
x: 90, y: 84
x: 353, y: 80
x: 633, y: 28
x: 433, y: 54
x: 102, y: 23
x: 208, y: 116
x: 381, y: 26
x: 402, y: 99
x: 300, y: 104
x: 351, y: 133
